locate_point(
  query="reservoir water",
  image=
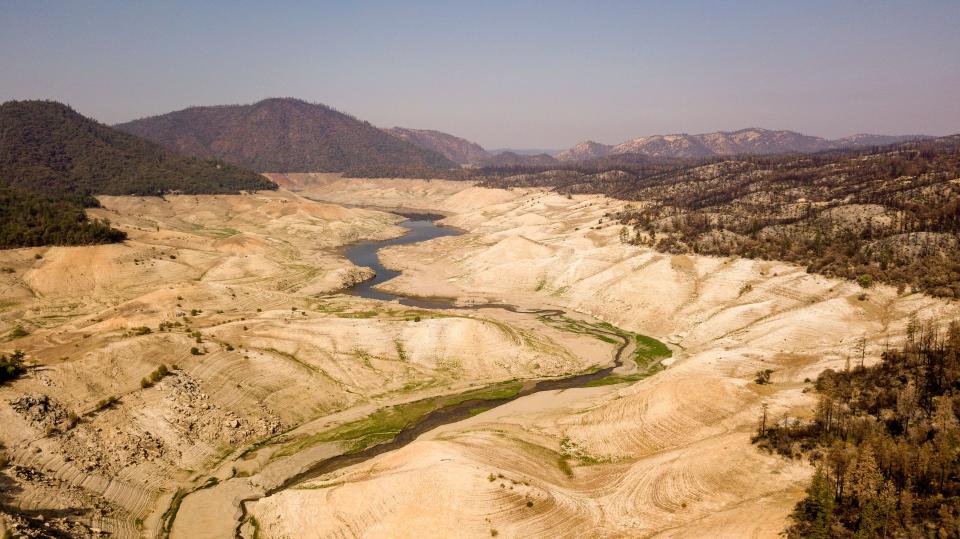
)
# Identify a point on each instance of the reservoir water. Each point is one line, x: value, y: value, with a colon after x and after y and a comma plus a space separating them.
x: 421, y: 227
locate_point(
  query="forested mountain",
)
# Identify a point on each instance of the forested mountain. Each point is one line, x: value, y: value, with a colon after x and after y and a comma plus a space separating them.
x: 889, y: 214
x: 52, y: 160
x: 456, y: 149
x: 752, y: 141
x: 282, y: 135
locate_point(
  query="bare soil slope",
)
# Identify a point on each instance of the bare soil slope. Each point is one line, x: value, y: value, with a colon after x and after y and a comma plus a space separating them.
x: 666, y: 456
x: 177, y: 356
x: 269, y: 373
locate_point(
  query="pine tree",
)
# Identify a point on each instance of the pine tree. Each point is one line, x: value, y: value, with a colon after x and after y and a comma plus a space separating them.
x: 814, y: 516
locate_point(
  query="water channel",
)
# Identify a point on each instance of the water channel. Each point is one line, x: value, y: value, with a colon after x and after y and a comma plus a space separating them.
x: 423, y: 227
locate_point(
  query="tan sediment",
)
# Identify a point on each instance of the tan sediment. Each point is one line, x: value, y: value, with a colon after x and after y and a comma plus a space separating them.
x: 668, y: 456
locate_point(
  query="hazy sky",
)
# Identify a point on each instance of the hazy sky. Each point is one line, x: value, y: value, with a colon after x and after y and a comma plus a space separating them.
x: 517, y: 74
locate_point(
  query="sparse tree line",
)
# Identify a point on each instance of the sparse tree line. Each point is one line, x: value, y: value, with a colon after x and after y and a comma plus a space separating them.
x: 885, y: 441
x: 844, y: 215
x: 888, y: 214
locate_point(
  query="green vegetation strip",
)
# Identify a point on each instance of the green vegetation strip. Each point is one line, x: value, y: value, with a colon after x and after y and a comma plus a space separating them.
x: 648, y: 350
x: 647, y: 354
x: 171, y: 513
x: 383, y: 425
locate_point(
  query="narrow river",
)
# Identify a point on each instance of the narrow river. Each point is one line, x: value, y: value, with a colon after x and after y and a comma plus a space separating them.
x: 422, y: 227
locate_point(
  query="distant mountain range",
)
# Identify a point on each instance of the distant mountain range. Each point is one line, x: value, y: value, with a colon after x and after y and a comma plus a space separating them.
x: 283, y: 135
x: 291, y: 135
x: 525, y: 151
x: 752, y: 141
x: 52, y: 159
x: 456, y: 149
x: 509, y: 159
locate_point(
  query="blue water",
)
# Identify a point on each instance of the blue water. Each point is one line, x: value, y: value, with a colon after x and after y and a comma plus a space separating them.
x: 365, y: 254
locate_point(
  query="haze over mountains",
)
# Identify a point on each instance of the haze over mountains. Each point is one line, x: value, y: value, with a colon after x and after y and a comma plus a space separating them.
x: 291, y: 135
x: 512, y: 159
x: 282, y: 135
x: 751, y: 141
x: 456, y: 149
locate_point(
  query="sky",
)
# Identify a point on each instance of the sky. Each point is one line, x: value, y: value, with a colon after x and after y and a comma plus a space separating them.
x: 516, y: 74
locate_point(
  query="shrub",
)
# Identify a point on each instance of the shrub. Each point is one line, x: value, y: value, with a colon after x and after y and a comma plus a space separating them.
x: 155, y: 376
x: 18, y: 332
x: 106, y: 403
x: 167, y: 326
x: 195, y: 351
x: 11, y: 367
x: 763, y: 376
